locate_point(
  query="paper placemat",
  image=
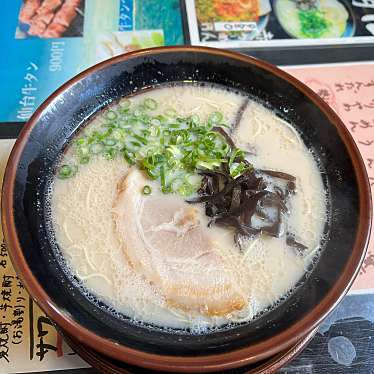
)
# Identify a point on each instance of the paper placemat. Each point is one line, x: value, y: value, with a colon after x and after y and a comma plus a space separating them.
x: 349, y: 90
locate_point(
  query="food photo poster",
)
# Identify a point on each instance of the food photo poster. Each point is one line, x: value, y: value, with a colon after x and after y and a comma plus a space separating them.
x: 47, y: 42
x: 282, y: 23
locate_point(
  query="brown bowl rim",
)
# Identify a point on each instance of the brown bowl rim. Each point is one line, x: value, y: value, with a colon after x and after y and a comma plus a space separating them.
x: 273, y: 363
x: 212, y: 362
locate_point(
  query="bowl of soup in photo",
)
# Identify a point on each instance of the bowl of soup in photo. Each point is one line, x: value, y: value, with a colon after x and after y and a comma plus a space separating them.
x: 186, y: 209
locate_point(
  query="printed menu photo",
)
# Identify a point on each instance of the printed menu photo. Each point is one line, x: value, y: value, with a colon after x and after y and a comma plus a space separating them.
x: 244, y: 23
x: 47, y: 42
x: 50, y: 19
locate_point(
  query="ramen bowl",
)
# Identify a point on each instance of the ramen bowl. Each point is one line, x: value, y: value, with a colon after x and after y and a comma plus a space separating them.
x: 44, y: 138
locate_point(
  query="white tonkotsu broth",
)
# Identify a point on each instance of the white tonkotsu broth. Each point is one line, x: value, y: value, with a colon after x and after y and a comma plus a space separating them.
x: 267, y: 268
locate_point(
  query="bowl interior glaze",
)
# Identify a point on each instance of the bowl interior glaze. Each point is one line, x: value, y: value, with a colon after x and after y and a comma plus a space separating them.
x: 55, y: 123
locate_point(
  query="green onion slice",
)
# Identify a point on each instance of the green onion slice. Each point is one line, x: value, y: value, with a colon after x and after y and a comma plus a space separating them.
x: 125, y: 104
x: 66, y: 171
x: 147, y: 190
x: 215, y: 117
x: 168, y: 147
x: 110, y: 114
x: 150, y: 103
x: 170, y: 112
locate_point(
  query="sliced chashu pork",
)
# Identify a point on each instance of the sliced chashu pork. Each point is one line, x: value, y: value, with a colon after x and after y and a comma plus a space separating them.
x: 163, y: 239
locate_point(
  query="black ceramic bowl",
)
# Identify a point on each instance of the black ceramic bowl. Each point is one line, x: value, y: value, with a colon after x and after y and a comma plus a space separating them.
x: 55, y: 123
